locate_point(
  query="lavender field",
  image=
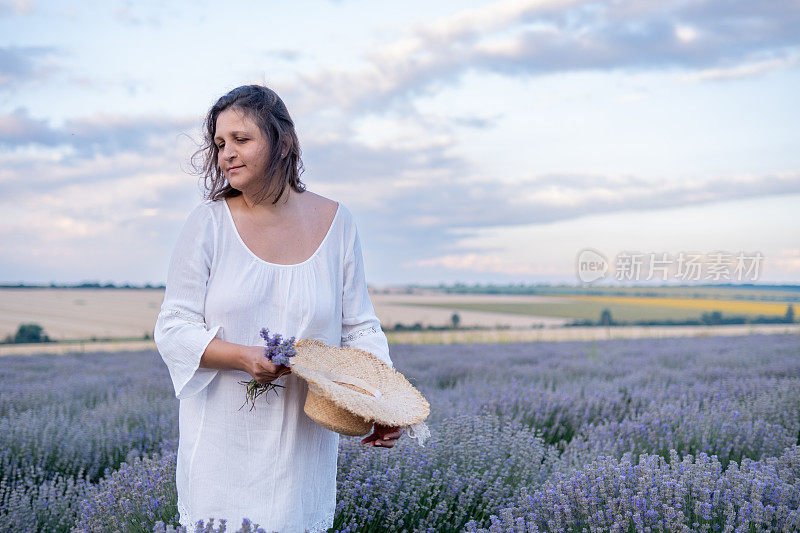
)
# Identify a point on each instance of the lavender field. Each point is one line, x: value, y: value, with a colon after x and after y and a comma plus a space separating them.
x: 689, y: 434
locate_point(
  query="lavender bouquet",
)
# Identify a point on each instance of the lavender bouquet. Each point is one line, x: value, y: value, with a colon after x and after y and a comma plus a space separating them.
x: 278, y: 350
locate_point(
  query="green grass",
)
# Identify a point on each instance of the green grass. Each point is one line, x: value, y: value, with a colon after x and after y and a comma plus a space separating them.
x: 570, y: 309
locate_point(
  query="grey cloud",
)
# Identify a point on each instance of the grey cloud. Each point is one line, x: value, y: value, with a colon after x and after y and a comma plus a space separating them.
x: 477, y: 122
x: 429, y: 215
x: 351, y: 161
x: 23, y: 176
x: 558, y: 37
x: 18, y: 7
x: 106, y: 134
x: 18, y: 128
x: 117, y: 134
x: 285, y: 54
x: 424, y: 191
x: 20, y: 64
x: 431, y: 218
x: 438, y: 196
x: 455, y: 206
x: 86, y: 153
x: 435, y: 206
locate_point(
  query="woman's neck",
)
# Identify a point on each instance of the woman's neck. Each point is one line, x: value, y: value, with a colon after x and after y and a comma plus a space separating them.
x: 286, y: 204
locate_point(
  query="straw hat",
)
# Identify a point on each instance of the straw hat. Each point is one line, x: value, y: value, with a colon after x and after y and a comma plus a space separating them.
x: 350, y: 389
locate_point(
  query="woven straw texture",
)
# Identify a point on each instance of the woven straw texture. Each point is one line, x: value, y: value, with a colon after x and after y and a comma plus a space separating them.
x: 399, y: 404
x: 329, y: 415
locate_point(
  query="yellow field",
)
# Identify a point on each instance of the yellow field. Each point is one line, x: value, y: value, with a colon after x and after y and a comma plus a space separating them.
x: 725, y: 306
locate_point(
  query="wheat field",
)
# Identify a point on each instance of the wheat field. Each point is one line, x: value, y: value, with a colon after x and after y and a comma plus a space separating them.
x: 68, y: 314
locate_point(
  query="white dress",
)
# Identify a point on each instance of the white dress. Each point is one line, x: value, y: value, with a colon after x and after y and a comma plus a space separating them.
x: 273, y: 464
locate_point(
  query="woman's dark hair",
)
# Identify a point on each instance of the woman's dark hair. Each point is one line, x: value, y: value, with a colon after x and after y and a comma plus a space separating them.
x: 268, y: 111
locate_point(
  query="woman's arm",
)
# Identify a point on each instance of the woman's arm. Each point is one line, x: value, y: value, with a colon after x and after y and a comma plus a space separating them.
x: 360, y: 326
x: 223, y: 355
x: 362, y: 329
x: 181, y: 333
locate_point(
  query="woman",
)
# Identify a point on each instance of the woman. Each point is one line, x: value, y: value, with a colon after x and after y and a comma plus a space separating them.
x: 260, y: 251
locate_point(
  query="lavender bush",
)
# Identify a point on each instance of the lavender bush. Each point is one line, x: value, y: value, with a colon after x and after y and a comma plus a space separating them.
x: 469, y: 467
x: 27, y: 504
x: 88, y: 419
x: 653, y: 494
x: 667, y: 434
x: 60, y: 434
x: 133, y: 498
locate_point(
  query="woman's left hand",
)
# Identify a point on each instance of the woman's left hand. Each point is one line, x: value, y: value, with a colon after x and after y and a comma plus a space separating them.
x: 383, y: 436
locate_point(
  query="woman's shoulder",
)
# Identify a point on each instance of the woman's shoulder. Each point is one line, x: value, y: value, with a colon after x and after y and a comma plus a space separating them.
x: 317, y: 201
x: 332, y: 209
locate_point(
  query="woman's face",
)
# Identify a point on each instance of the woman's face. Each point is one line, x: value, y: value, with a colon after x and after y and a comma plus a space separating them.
x: 243, y: 150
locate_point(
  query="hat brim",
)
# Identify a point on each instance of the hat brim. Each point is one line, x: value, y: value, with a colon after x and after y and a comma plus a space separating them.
x: 392, y: 401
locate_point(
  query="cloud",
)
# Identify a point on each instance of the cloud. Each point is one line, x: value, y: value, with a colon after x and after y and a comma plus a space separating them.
x: 422, y: 203
x: 17, y: 7
x: 433, y: 220
x: 22, y: 64
x: 477, y: 263
x: 549, y: 198
x: 415, y: 205
x: 18, y: 128
x: 788, y: 260
x: 90, y: 136
x: 125, y: 14
x: 92, y: 170
x: 285, y: 54
x: 745, y: 70
x: 541, y: 37
x: 101, y: 218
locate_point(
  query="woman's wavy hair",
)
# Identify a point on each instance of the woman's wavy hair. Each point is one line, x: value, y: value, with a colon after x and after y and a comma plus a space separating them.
x: 268, y: 111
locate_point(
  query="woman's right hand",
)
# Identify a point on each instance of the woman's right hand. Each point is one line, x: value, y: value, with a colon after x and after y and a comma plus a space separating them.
x: 261, y: 368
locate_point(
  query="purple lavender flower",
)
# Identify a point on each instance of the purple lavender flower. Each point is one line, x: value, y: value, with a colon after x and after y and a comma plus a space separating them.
x: 277, y: 349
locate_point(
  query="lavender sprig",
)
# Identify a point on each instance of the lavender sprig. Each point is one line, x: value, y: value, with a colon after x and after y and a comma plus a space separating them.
x: 278, y: 350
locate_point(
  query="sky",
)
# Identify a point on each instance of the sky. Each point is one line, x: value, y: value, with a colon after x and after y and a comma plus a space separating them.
x: 475, y: 142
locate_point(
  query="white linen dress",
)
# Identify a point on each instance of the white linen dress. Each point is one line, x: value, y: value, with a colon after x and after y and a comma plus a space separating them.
x: 273, y: 464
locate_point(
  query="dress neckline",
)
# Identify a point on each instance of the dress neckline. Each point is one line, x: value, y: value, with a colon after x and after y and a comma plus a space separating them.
x: 260, y: 260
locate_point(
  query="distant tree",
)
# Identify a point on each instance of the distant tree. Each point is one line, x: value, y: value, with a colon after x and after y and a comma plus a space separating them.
x: 605, y: 318
x: 456, y: 320
x: 713, y: 318
x: 30, y: 333
x: 789, y: 316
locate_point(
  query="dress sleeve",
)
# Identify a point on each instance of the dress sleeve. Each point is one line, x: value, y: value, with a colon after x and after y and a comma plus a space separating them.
x: 181, y: 334
x: 360, y: 327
